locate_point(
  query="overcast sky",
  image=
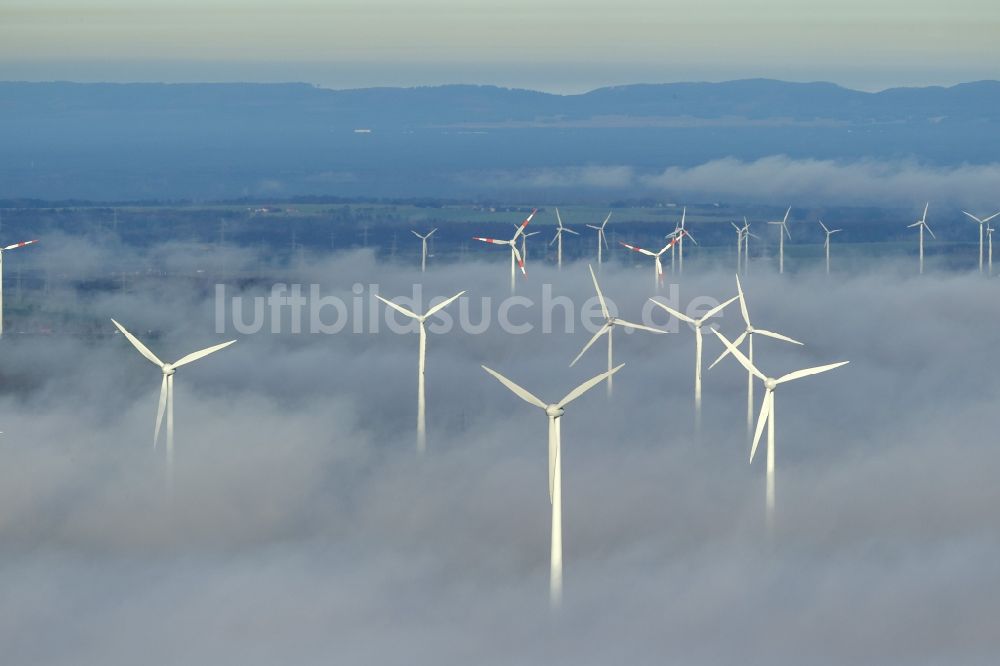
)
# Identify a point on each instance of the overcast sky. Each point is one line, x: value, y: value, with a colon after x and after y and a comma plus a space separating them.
x: 560, y: 45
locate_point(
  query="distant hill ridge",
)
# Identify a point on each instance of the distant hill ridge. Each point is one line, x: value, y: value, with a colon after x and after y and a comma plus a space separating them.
x: 749, y: 98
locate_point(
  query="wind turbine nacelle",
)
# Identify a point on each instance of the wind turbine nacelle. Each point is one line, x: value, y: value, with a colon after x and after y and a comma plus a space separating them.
x: 554, y: 411
x: 168, y: 369
x: 770, y: 384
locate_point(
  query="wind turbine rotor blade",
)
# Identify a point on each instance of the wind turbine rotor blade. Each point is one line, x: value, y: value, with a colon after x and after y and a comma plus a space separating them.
x: 194, y: 356
x: 520, y: 261
x: 556, y: 237
x: 640, y: 327
x: 636, y: 248
x: 605, y: 222
x: 974, y: 218
x: 833, y: 231
x: 558, y: 218
x: 442, y: 305
x: 743, y: 303
x: 586, y: 386
x: 824, y: 226
x: 491, y: 240
x: 738, y: 355
x: 21, y: 244
x: 398, y: 308
x: 929, y: 231
x: 570, y: 231
x: 516, y: 390
x: 160, y: 409
x: 799, y: 374
x: 915, y: 224
x: 725, y: 352
x: 765, y: 412
x: 987, y: 219
x: 601, y: 331
x: 416, y: 234
x: 431, y: 232
x: 520, y: 228
x: 675, y: 313
x: 926, y: 206
x: 784, y: 220
x: 150, y: 356
x: 600, y: 296
x: 595, y: 228
x: 718, y: 308
x: 776, y: 336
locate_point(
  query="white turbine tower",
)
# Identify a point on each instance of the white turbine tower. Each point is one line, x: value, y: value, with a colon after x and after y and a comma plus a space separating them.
x: 747, y: 235
x: 748, y: 334
x: 2, y: 250
x: 601, y: 238
x: 554, y: 412
x: 657, y: 264
x: 922, y: 224
x: 515, y: 256
x: 981, y: 222
x: 608, y: 328
x: 167, y: 390
x: 989, y: 238
x: 558, y: 238
x: 826, y: 243
x: 782, y: 231
x: 767, y: 412
x: 423, y: 247
x: 421, y: 408
x: 697, y: 323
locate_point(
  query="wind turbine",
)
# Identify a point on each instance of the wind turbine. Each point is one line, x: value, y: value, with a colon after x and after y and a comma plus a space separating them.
x: 767, y: 411
x: 679, y: 233
x: 558, y: 238
x: 657, y: 265
x: 608, y: 328
x: 601, y: 238
x: 748, y: 334
x: 697, y: 323
x: 782, y: 231
x: 555, y: 412
x: 423, y: 247
x: 167, y: 389
x: 922, y: 224
x: 739, y: 248
x: 524, y: 244
x: 515, y: 256
x: 826, y: 243
x: 981, y: 223
x: 2, y: 250
x: 421, y: 421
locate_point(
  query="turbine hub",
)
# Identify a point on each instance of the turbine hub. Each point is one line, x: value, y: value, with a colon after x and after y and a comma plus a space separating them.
x: 770, y: 383
x: 168, y: 369
x: 749, y: 329
x: 554, y: 411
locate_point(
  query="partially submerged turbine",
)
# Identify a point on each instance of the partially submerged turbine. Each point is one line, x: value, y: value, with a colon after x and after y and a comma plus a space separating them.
x: 609, y: 328
x: 767, y: 411
x: 421, y: 318
x: 515, y: 257
x: 554, y: 412
x: 166, y: 403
